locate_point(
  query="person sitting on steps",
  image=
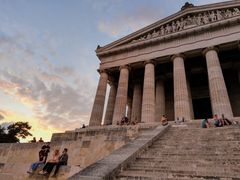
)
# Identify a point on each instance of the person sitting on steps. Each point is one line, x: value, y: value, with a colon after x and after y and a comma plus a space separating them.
x: 63, y: 159
x: 217, y: 122
x: 225, y: 120
x: 205, y: 123
x: 50, y: 164
x: 43, y: 154
x: 164, y: 120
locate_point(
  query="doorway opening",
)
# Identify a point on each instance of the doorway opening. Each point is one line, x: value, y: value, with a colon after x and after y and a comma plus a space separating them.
x: 202, y: 108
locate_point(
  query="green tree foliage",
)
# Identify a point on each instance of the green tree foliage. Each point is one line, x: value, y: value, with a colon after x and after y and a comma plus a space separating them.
x: 14, y: 132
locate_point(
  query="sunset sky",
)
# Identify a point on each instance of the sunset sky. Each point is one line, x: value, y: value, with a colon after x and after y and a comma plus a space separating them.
x: 48, y: 65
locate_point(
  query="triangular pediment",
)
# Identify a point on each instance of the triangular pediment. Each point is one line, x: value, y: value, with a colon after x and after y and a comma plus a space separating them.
x: 190, y: 17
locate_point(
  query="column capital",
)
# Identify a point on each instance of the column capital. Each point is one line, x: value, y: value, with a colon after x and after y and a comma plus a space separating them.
x: 149, y: 62
x: 125, y: 67
x: 209, y: 49
x: 101, y: 71
x: 178, y: 55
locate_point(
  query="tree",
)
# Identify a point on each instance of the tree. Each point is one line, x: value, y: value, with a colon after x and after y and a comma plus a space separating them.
x: 14, y: 132
x: 2, y: 130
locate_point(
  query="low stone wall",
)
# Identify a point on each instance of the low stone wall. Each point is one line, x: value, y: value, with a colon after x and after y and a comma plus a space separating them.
x: 85, y: 146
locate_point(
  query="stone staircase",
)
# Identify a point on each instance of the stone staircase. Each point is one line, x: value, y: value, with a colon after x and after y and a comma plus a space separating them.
x: 189, y: 152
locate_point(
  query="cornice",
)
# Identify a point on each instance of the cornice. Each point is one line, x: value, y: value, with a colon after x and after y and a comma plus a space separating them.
x: 113, y: 47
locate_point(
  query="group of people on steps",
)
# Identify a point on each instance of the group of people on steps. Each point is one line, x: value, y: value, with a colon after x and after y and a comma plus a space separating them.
x: 56, y: 161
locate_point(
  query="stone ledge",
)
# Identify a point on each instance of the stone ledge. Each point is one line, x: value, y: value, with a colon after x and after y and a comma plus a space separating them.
x: 106, y: 130
x: 109, y: 166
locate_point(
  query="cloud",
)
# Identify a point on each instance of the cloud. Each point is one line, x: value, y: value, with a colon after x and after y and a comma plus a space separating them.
x: 56, y: 103
x: 1, y: 117
x: 57, y: 95
x: 127, y: 22
x: 203, y: 2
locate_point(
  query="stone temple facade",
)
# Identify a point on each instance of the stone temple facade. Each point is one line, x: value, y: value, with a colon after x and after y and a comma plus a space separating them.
x: 185, y: 65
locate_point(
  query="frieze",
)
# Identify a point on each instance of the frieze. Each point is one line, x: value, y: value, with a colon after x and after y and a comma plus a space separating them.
x: 190, y: 21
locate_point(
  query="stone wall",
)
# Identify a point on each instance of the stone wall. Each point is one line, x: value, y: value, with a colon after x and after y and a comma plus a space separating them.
x: 85, y: 146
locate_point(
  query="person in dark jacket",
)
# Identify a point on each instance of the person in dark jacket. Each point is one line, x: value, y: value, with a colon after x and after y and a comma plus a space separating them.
x: 43, y: 154
x: 63, y: 159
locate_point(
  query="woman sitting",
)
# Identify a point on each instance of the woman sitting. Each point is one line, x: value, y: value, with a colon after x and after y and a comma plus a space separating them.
x: 51, y: 163
x: 164, y: 120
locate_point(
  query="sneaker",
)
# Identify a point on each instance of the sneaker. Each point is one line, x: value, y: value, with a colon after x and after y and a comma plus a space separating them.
x: 29, y: 171
x: 42, y: 172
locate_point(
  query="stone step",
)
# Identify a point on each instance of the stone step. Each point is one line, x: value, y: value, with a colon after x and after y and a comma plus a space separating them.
x: 182, y: 142
x: 199, y: 162
x: 128, y: 176
x: 199, y: 129
x: 186, y: 132
x: 193, y: 152
x: 230, y: 169
x: 188, y: 167
x: 200, y: 137
x: 186, y: 152
x: 198, y: 145
x: 189, y: 157
x: 175, y: 175
x: 178, y: 138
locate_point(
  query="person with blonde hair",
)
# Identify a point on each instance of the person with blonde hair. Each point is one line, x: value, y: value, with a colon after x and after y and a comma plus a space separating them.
x: 164, y: 120
x: 51, y: 163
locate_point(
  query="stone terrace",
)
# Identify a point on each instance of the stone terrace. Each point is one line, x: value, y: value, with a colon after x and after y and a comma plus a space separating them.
x: 175, y: 152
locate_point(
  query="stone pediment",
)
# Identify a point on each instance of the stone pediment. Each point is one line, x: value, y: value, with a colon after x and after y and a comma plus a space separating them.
x: 190, y: 17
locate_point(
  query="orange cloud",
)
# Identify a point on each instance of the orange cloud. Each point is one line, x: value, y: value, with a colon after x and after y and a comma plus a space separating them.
x: 38, y: 130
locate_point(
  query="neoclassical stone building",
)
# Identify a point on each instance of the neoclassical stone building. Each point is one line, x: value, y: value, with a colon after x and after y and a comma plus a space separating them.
x: 186, y: 65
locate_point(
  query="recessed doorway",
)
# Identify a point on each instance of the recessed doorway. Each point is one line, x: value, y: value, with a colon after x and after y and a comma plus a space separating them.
x: 202, y: 108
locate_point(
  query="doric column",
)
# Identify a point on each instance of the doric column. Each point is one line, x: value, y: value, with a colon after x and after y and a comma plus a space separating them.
x: 181, y: 96
x: 160, y: 99
x: 111, y: 102
x: 148, y: 101
x: 122, y: 93
x: 137, y: 102
x: 218, y: 91
x: 190, y: 99
x: 97, y: 110
x: 129, y: 111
